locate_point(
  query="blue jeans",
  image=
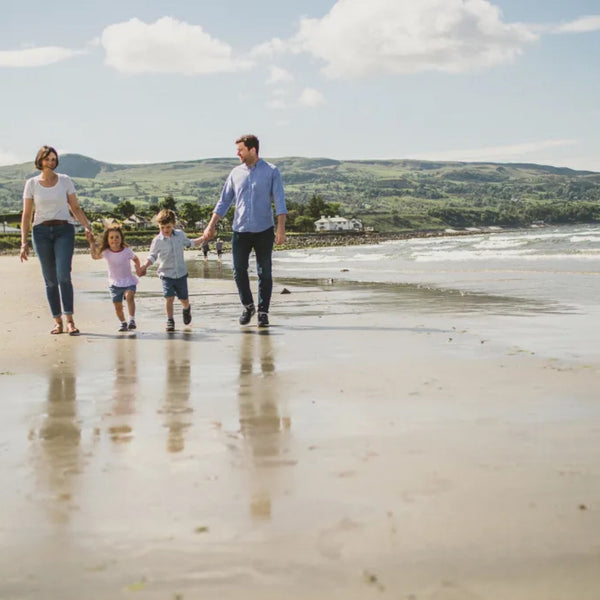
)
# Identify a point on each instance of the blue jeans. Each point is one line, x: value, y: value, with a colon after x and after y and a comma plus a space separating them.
x: 54, y: 247
x: 241, y: 246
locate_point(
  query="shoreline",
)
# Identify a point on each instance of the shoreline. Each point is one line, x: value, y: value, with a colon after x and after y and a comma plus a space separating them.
x: 354, y: 449
x: 321, y: 240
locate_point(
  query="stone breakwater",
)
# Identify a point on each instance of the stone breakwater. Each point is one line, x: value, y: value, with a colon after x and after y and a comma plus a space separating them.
x: 317, y: 240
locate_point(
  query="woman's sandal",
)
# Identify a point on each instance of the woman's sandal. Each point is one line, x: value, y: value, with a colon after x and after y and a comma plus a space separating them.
x: 71, y: 329
x: 58, y: 328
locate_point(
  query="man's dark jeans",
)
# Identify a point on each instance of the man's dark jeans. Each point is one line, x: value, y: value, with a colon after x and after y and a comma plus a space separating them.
x: 241, y: 246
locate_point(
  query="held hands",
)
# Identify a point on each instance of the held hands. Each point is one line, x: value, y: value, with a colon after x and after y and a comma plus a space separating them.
x: 141, y: 270
x: 209, y: 234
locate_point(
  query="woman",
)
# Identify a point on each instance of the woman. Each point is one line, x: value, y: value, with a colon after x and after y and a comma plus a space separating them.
x: 53, y: 233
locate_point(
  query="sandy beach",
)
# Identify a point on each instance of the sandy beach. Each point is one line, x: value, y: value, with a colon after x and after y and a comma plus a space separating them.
x: 359, y: 448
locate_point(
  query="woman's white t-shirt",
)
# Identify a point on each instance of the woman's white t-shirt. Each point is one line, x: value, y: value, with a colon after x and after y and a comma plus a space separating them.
x: 50, y: 202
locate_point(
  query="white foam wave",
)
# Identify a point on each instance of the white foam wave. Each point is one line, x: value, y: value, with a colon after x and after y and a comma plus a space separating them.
x: 507, y: 255
x: 307, y: 259
x: 434, y: 241
x: 369, y: 257
x: 585, y: 238
x: 466, y: 255
x: 499, y: 243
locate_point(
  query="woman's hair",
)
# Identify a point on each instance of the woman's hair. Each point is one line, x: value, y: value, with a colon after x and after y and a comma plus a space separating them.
x: 105, y: 245
x: 43, y: 152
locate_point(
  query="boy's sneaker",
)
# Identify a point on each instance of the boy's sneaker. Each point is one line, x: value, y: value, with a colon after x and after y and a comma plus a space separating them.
x: 170, y: 325
x: 187, y: 315
x: 263, y: 319
x: 247, y: 314
x: 131, y: 325
x: 123, y: 326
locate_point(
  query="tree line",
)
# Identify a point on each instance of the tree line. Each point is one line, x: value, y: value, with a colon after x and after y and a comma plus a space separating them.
x: 301, y: 216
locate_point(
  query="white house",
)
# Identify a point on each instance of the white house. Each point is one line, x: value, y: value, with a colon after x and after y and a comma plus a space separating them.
x: 338, y: 223
x: 138, y: 222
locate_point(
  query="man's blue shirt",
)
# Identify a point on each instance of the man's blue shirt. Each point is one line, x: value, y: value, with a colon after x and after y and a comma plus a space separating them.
x: 169, y: 253
x: 253, y: 189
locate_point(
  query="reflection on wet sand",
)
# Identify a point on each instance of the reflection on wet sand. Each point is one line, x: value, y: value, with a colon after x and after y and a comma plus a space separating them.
x: 176, y: 407
x: 208, y: 269
x: 124, y: 390
x: 58, y: 456
x: 261, y: 422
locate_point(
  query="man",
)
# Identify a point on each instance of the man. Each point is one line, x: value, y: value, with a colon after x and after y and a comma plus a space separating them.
x: 254, y: 185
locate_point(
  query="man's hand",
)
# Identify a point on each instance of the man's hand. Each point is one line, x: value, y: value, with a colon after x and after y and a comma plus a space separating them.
x: 280, y: 237
x: 209, y: 233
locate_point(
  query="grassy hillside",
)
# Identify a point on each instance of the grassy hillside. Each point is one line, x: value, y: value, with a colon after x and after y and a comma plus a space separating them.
x: 389, y: 194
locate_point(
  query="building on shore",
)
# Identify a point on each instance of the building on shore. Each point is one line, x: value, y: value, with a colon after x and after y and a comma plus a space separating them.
x: 338, y: 223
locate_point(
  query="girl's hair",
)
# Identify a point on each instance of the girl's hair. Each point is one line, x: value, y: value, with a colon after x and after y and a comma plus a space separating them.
x: 105, y: 245
x: 43, y: 152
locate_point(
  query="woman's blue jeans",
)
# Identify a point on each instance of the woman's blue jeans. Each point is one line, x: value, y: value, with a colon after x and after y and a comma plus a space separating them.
x: 241, y: 246
x: 54, y: 245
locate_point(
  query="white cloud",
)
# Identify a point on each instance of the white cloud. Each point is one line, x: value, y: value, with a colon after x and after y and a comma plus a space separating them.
x: 278, y: 75
x: 581, y: 25
x: 507, y: 153
x: 269, y: 49
x: 35, y: 57
x: 311, y: 98
x: 357, y: 38
x: 166, y: 46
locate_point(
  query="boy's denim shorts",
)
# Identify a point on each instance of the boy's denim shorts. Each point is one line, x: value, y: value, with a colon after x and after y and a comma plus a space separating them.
x: 175, y: 287
x: 117, y: 293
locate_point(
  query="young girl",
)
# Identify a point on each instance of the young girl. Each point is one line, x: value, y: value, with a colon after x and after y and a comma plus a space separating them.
x: 122, y: 281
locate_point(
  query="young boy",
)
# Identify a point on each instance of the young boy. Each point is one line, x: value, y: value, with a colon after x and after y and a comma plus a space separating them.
x: 167, y: 247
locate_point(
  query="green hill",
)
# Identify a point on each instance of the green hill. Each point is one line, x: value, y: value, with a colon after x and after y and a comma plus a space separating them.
x: 387, y: 194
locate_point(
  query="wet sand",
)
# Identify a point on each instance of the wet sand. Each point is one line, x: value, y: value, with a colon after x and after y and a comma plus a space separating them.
x: 356, y: 449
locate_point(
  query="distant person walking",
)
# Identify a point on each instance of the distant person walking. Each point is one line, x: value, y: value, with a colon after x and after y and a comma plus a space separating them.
x: 53, y: 234
x: 205, y: 248
x: 122, y: 282
x: 219, y: 247
x: 254, y: 185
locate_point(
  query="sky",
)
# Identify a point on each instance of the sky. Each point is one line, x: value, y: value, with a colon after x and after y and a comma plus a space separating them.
x: 143, y: 81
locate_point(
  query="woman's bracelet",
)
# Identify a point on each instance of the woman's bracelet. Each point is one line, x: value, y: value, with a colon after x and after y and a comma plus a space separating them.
x: 24, y: 245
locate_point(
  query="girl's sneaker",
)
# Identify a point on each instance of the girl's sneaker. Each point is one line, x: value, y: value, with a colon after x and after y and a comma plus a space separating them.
x: 170, y: 325
x: 131, y: 325
x: 123, y: 326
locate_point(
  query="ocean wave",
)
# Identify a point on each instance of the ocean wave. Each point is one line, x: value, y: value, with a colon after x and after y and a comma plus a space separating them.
x: 308, y: 259
x: 576, y: 239
x: 465, y: 255
x: 499, y: 243
x: 525, y: 255
x: 439, y: 241
x: 369, y: 257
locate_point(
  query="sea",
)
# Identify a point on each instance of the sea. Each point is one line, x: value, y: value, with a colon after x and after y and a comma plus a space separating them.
x: 542, y: 282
